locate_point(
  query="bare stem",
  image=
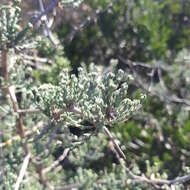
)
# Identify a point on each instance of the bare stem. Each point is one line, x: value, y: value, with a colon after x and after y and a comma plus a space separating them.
x: 39, y: 170
x: 56, y: 163
x: 143, y: 178
x: 120, y: 152
x: 22, y: 171
x: 28, y: 111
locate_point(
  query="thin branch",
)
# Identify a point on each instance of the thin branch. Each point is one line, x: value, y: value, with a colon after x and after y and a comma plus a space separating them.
x: 167, y: 97
x: 133, y: 64
x: 2, y: 158
x: 22, y: 171
x: 11, y: 92
x: 89, y: 20
x: 143, y: 178
x: 161, y: 79
x: 43, y: 180
x: 36, y: 59
x: 28, y: 111
x: 52, y: 136
x: 120, y: 152
x: 71, y: 109
x: 151, y: 75
x: 159, y: 181
x: 48, y: 9
x: 47, y: 31
x: 57, y: 162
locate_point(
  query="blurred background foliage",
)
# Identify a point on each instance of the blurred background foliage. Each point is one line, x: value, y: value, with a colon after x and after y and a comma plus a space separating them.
x: 138, y: 30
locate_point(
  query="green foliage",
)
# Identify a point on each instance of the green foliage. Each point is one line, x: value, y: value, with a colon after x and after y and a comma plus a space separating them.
x: 137, y: 30
x: 156, y: 26
x: 58, y: 62
x: 10, y: 28
x: 98, y: 99
x: 75, y: 107
x: 9, y: 24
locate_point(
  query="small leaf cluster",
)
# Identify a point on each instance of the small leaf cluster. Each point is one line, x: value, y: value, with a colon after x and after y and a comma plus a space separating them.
x: 11, y: 31
x: 99, y: 99
x: 9, y: 23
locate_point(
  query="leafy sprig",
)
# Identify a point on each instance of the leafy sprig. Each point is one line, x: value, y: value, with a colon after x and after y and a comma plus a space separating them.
x: 91, y: 97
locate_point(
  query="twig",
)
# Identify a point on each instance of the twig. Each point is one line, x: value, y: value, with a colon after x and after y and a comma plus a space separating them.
x: 49, y: 8
x: 161, y: 79
x: 121, y: 153
x: 143, y: 178
x: 89, y: 20
x: 42, y: 177
x: 151, y: 74
x: 36, y: 59
x: 165, y: 98
x: 2, y: 163
x: 46, y: 29
x: 71, y: 109
x: 133, y: 64
x: 57, y: 162
x: 159, y: 181
x: 52, y: 136
x: 28, y: 111
x: 11, y: 92
x: 22, y: 172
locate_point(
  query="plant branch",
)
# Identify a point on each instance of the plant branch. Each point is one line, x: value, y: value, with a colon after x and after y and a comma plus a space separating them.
x: 167, y: 97
x: 42, y: 177
x: 57, y: 162
x: 49, y: 8
x: 143, y: 178
x: 46, y: 29
x: 11, y: 92
x: 22, y: 171
x: 28, y: 111
x: 120, y: 152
